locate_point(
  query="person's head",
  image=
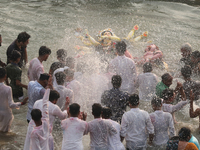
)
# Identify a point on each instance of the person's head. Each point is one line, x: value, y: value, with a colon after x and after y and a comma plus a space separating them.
x: 186, y: 71
x: 116, y: 81
x: 61, y: 54
x: 195, y: 57
x: 133, y: 100
x: 96, y: 110
x: 120, y: 47
x: 44, y: 52
x: 156, y: 103
x: 23, y: 39
x: 36, y: 115
x: 54, y: 96
x: 147, y: 67
x: 2, y: 74
x: 74, y: 110
x: 60, y: 78
x: 69, y: 74
x: 186, y: 50
x: 167, y: 79
x: 184, y: 134
x: 168, y: 95
x: 70, y: 62
x: 15, y: 56
x: 0, y: 39
x: 151, y: 48
x: 106, y: 113
x: 43, y: 80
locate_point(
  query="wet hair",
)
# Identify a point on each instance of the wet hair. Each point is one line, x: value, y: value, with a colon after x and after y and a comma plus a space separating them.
x: 120, y: 47
x: 184, y: 133
x: 186, y: 47
x: 102, y: 34
x: 147, y: 67
x: 165, y: 76
x: 70, y: 61
x: 44, y: 76
x: 134, y: 100
x: 96, y: 109
x: 23, y: 37
x: 196, y: 54
x: 116, y: 81
x: 44, y: 50
x: 186, y: 71
x: 15, y: 55
x: 156, y: 101
x: 36, y: 114
x: 61, y: 53
x: 74, y: 109
x: 106, y: 112
x: 60, y: 78
x: 54, y: 95
x: 2, y: 72
x: 69, y: 73
x: 167, y: 94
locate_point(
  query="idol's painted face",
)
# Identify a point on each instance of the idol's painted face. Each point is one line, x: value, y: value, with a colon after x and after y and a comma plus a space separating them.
x: 107, y: 34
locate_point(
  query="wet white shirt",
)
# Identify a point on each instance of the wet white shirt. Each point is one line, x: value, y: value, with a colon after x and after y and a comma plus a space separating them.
x: 163, y: 127
x: 125, y: 67
x: 147, y: 85
x: 73, y: 131
x: 100, y: 130
x: 7, y: 104
x: 135, y: 127
x: 114, y: 140
x: 35, y: 69
x: 64, y: 92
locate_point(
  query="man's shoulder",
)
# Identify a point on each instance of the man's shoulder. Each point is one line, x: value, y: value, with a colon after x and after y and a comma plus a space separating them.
x: 11, y: 46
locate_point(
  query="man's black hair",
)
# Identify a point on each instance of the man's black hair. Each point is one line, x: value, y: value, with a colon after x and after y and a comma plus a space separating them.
x: 15, y: 55
x: 106, y: 112
x: 44, y: 76
x: 74, y: 109
x: 165, y: 76
x: 156, y: 101
x: 96, y: 109
x: 60, y: 78
x: 23, y: 37
x: 116, y: 81
x: 2, y: 72
x: 147, y: 67
x: 167, y: 94
x: 184, y: 133
x: 120, y: 47
x: 61, y: 53
x: 186, y: 71
x: 134, y: 100
x: 36, y: 114
x: 54, y: 95
x: 44, y: 50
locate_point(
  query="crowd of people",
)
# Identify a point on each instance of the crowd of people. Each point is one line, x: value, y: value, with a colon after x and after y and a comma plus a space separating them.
x: 58, y: 94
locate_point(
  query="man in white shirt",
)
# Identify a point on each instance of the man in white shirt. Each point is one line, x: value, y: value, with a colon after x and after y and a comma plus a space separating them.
x: 36, y: 67
x: 125, y: 67
x: 136, y: 125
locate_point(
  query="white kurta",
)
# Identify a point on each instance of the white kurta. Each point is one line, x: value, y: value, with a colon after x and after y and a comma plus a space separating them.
x: 147, y: 85
x: 6, y: 106
x: 135, y: 127
x: 35, y: 69
x: 73, y: 131
x: 100, y: 130
x: 64, y: 92
x: 114, y: 140
x: 125, y: 67
x: 39, y: 139
x: 163, y: 127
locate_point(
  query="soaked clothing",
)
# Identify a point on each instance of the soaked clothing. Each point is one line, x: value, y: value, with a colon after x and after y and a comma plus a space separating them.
x: 73, y: 131
x: 10, y: 49
x: 195, y: 141
x: 7, y: 104
x: 194, y: 86
x: 14, y: 72
x: 35, y: 69
x: 172, y: 145
x: 160, y: 87
x: 117, y: 101
x: 100, y: 130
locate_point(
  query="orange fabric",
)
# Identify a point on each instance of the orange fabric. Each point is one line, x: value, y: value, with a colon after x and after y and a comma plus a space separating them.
x: 191, y: 146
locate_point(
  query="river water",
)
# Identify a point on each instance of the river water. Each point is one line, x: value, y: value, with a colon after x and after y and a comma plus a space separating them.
x: 52, y: 23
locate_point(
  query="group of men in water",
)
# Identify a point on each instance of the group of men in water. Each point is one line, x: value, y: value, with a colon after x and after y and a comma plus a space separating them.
x: 60, y: 93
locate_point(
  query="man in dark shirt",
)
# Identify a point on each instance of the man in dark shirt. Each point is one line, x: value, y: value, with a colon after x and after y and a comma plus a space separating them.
x: 115, y: 99
x: 20, y: 45
x: 1, y: 63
